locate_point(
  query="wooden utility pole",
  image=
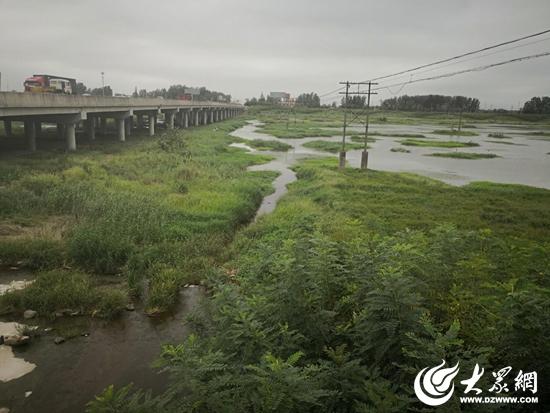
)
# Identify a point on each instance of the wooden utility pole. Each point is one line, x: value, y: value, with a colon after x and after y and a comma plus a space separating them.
x: 365, y: 153
x: 347, y: 93
x: 342, y: 155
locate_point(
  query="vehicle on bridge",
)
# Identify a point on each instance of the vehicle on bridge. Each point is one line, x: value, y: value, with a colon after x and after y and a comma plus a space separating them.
x: 50, y: 84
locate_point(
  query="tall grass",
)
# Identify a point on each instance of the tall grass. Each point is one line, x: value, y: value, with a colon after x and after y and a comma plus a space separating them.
x: 176, y: 199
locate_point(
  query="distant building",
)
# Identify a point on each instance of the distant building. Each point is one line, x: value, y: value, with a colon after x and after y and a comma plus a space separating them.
x: 282, y: 98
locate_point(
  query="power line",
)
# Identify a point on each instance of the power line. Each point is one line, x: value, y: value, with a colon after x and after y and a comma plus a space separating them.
x: 473, y: 69
x: 463, y: 55
x: 482, y: 56
x: 445, y: 60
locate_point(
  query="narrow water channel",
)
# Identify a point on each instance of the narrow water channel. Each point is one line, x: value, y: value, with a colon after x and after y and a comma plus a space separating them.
x: 62, y: 378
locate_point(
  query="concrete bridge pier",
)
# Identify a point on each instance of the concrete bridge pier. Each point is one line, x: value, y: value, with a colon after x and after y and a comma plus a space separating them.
x: 210, y: 115
x: 196, y: 121
x: 30, y: 133
x: 121, y: 129
x: 205, y: 117
x: 140, y: 121
x: 70, y: 131
x: 152, y: 121
x: 185, y: 119
x: 128, y: 126
x: 7, y: 128
x: 90, y: 128
x: 169, y: 118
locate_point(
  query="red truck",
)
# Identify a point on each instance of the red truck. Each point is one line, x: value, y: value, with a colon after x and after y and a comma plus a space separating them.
x: 50, y: 84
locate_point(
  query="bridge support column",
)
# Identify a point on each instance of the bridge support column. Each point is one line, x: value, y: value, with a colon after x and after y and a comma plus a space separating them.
x: 205, y: 116
x: 152, y: 119
x: 169, y: 119
x: 70, y: 130
x: 30, y: 133
x: 186, y: 119
x: 196, y: 121
x: 90, y: 128
x: 121, y: 129
x: 7, y: 128
x: 210, y: 115
x: 127, y: 127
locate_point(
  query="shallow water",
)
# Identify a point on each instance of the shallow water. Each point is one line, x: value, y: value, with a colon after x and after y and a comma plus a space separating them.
x: 526, y: 163
x: 69, y: 375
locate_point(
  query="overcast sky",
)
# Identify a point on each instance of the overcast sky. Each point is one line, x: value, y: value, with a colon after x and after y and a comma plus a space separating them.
x: 245, y: 47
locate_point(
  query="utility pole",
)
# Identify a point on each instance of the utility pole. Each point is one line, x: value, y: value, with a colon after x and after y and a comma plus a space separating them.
x: 365, y: 153
x: 347, y: 93
x: 103, y: 83
x: 342, y: 155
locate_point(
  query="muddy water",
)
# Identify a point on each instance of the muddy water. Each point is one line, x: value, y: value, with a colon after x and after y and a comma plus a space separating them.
x: 64, y: 377
x: 527, y: 162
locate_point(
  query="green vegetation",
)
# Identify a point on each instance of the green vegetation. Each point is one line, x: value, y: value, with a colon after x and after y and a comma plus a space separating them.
x: 499, y: 135
x: 398, y: 135
x: 353, y: 285
x: 403, y: 150
x: 62, y: 289
x: 271, y: 145
x: 454, y: 132
x: 437, y: 143
x: 157, y: 211
x: 361, y: 138
x: 464, y: 155
x: 539, y: 135
x: 507, y: 143
x: 332, y: 147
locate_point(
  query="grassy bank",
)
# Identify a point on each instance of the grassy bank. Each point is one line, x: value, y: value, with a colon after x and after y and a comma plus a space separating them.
x: 155, y: 212
x: 357, y: 282
x: 332, y: 147
x: 463, y: 155
x: 437, y: 143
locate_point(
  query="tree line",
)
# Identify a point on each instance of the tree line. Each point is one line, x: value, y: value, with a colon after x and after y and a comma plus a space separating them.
x: 539, y: 105
x: 173, y: 92
x: 431, y: 103
x: 310, y: 100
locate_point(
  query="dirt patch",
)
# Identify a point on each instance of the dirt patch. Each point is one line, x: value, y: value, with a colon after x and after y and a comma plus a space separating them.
x: 54, y: 228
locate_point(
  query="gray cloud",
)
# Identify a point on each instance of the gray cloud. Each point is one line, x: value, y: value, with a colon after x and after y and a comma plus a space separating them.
x: 245, y: 47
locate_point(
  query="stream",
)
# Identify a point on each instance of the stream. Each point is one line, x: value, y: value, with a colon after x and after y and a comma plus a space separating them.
x: 48, y: 377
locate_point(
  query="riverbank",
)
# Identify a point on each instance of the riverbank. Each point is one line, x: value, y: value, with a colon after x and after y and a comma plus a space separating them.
x: 354, y: 283
x: 110, y: 243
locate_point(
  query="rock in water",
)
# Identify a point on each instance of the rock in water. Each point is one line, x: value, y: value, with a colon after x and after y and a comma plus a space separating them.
x: 15, y: 341
x: 28, y: 314
x: 130, y: 307
x: 59, y: 340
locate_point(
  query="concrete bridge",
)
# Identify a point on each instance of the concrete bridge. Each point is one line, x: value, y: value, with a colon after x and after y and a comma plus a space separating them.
x: 67, y: 111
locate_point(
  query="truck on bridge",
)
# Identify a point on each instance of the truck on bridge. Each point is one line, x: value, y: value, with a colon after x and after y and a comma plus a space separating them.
x: 50, y: 84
